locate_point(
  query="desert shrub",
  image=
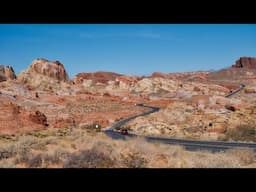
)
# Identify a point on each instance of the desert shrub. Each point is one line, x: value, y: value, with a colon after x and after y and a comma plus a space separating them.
x: 118, y: 128
x: 63, y: 132
x: 95, y: 127
x: 37, y: 134
x: 35, y: 160
x: 22, y: 157
x: 7, y: 163
x: 219, y: 161
x: 188, y: 110
x: 40, y: 160
x: 103, y: 147
x: 7, y: 137
x: 246, y: 132
x: 7, y: 152
x: 246, y: 156
x: 134, y: 160
x: 19, y: 149
x: 88, y: 159
x: 30, y: 142
x: 57, y: 157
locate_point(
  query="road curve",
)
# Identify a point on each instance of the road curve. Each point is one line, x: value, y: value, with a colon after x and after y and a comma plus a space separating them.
x: 236, y: 91
x: 213, y: 146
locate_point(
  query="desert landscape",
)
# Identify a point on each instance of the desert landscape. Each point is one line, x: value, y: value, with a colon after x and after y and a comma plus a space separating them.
x: 49, y: 120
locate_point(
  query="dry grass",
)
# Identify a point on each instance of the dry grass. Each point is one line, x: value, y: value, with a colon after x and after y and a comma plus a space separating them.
x: 90, y: 159
x: 244, y: 132
x: 78, y: 148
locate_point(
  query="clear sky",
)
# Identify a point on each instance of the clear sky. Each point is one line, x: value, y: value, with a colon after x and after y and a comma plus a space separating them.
x: 138, y: 49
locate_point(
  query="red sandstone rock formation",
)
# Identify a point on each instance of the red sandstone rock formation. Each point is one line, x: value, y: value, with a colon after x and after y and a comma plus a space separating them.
x: 245, y: 62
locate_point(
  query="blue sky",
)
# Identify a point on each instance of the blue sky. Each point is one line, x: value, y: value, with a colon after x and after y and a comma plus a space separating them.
x: 138, y: 49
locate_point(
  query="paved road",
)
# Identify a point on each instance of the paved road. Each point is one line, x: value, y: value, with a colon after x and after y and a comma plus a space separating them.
x: 236, y: 91
x: 214, y: 146
x: 188, y: 144
x: 122, y: 122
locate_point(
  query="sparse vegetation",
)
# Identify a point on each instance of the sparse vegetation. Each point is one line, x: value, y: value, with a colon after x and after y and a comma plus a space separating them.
x: 88, y: 159
x: 6, y: 152
x: 134, y: 160
x: 67, y: 118
x: 92, y: 127
x: 244, y: 132
x: 78, y: 149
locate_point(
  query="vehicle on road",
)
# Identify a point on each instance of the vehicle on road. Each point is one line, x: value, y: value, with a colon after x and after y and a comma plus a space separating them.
x: 213, y: 146
x: 124, y: 132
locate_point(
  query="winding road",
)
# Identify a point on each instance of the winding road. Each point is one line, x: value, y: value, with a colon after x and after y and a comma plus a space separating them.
x: 213, y: 146
x: 236, y: 91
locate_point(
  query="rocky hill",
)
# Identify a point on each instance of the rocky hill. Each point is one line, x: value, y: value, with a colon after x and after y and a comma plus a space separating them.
x: 50, y: 69
x: 6, y: 73
x: 244, y: 70
x: 42, y: 73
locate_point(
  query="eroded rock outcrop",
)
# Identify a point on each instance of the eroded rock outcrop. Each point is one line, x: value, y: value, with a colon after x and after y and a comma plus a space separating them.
x: 245, y: 62
x: 45, y: 74
x: 53, y: 70
x: 6, y: 73
x: 15, y: 118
